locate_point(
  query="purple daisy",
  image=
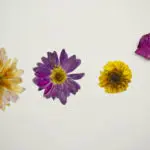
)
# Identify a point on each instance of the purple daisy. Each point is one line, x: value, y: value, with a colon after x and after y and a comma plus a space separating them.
x: 143, y: 48
x: 53, y: 75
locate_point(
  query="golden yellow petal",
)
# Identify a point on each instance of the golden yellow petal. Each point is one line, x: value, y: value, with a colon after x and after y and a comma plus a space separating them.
x: 6, y: 66
x: 1, y: 98
x: 18, y: 89
x: 16, y: 80
x: 13, y: 65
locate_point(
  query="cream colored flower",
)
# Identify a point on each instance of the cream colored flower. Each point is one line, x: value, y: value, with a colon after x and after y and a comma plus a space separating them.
x: 10, y: 78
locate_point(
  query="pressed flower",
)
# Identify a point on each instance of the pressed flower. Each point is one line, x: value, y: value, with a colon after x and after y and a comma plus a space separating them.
x: 143, y: 48
x: 115, y: 77
x: 54, y: 76
x: 10, y: 78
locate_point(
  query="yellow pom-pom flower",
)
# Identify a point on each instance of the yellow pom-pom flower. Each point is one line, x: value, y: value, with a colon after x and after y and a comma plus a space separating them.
x: 115, y: 77
x: 10, y: 78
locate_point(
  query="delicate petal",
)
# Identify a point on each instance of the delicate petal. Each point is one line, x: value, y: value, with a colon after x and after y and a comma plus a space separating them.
x: 3, y: 57
x: 145, y: 52
x: 18, y: 73
x: 53, y: 59
x: 9, y: 96
x: 2, y: 106
x: 15, y: 80
x: 51, y: 92
x: 41, y: 81
x: 76, y: 76
x: 144, y: 41
x: 41, y: 65
x: 41, y: 72
x: 48, y: 88
x: 63, y: 57
x: 45, y: 61
x: 61, y: 95
x: 66, y: 89
x: 144, y: 46
x: 18, y: 89
x: 73, y: 86
x: 71, y: 64
x: 14, y: 64
x: 5, y: 67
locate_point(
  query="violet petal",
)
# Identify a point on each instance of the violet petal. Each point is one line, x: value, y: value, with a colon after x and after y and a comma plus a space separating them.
x: 48, y: 88
x: 41, y: 72
x: 53, y: 59
x: 61, y: 95
x: 63, y: 57
x: 71, y: 64
x: 45, y: 61
x: 41, y: 82
x: 73, y: 86
x: 49, y: 93
x: 76, y: 76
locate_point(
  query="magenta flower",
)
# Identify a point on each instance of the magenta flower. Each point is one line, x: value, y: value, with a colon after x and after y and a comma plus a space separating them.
x: 53, y: 75
x: 143, y: 48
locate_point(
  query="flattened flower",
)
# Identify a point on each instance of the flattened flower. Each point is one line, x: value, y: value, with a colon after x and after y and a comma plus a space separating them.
x: 54, y: 76
x: 10, y: 78
x: 143, y: 48
x: 115, y: 77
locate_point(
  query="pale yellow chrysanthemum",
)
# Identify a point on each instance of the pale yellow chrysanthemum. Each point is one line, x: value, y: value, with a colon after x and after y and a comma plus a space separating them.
x: 115, y: 77
x: 10, y: 78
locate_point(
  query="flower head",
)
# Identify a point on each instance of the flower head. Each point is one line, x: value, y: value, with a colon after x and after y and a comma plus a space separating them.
x: 143, y: 48
x: 115, y: 77
x: 53, y: 75
x: 10, y: 78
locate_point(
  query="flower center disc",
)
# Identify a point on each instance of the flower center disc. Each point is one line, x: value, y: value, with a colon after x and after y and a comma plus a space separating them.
x: 58, y: 75
x: 115, y: 78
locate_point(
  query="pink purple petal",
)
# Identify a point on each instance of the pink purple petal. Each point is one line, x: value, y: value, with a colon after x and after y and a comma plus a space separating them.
x: 41, y: 81
x: 48, y: 88
x: 144, y: 46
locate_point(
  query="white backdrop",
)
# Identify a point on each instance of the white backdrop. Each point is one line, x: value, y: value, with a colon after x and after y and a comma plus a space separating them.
x: 96, y: 31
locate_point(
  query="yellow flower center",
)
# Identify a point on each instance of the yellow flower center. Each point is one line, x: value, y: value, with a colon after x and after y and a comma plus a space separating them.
x: 58, y: 75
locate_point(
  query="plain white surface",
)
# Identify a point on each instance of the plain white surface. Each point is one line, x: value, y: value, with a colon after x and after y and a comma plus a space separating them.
x: 96, y: 31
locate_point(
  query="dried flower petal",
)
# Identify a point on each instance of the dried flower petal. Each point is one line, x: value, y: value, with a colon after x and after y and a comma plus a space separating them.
x: 143, y: 48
